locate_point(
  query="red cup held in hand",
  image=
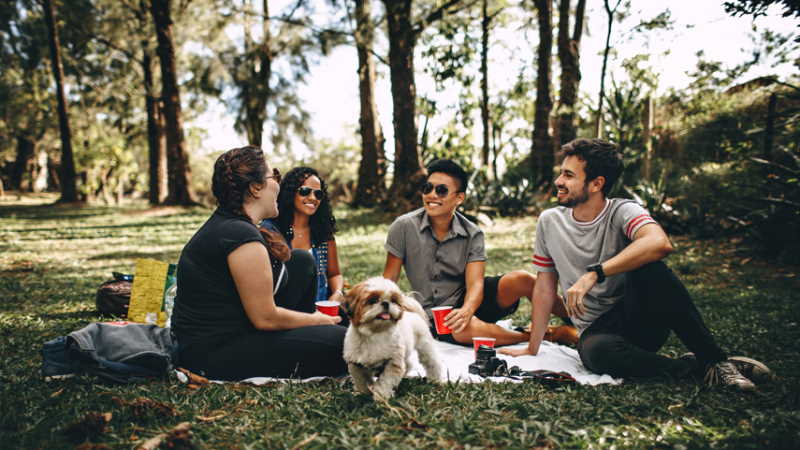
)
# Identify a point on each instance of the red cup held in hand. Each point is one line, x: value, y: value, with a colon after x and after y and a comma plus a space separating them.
x: 439, y: 313
x: 328, y: 307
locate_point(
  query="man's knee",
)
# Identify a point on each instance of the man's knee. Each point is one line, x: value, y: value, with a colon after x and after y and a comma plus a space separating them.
x: 598, y: 352
x: 516, y: 284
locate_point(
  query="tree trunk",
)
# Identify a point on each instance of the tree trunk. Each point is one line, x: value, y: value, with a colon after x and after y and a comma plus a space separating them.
x: 598, y: 130
x: 255, y: 91
x: 485, y: 22
x: 372, y: 168
x: 769, y: 128
x: 25, y: 149
x: 569, y: 56
x: 69, y: 191
x: 542, y: 152
x: 157, y: 153
x: 179, y: 179
x: 647, y: 136
x: 408, y: 171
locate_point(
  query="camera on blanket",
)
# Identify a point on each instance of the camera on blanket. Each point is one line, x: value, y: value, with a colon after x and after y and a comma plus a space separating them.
x: 487, y: 364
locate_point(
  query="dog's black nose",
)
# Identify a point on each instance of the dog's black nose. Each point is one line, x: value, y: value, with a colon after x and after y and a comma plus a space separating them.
x: 385, y: 305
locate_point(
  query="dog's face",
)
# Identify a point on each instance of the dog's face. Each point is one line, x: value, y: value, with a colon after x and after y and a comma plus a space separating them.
x: 375, y: 304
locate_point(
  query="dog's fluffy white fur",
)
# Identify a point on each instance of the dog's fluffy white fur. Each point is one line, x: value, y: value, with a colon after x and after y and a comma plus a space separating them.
x: 386, y: 326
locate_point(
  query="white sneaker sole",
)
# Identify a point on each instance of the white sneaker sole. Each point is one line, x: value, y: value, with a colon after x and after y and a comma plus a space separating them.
x: 752, y: 369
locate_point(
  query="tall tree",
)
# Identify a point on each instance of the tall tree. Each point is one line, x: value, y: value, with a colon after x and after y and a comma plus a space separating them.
x: 25, y: 103
x: 267, y: 67
x: 403, y: 33
x: 486, y: 21
x: 372, y: 168
x: 610, y: 14
x: 69, y: 191
x: 252, y: 76
x: 569, y: 56
x: 542, y: 144
x: 156, y: 147
x: 179, y: 173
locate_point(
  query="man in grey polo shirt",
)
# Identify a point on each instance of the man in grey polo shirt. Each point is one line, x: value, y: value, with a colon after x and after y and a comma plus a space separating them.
x: 444, y: 258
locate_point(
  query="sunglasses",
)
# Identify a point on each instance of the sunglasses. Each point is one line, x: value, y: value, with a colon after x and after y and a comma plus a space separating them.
x: 441, y: 189
x: 305, y: 191
x: 276, y: 174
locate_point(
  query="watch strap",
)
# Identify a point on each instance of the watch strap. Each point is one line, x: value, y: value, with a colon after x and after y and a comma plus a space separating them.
x: 598, y: 269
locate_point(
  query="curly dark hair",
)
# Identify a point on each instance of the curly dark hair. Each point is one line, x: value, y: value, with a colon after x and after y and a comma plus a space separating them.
x: 322, y: 223
x: 602, y: 159
x: 234, y: 172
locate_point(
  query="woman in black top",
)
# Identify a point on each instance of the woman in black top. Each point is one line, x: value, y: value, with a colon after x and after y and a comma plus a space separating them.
x: 244, y: 307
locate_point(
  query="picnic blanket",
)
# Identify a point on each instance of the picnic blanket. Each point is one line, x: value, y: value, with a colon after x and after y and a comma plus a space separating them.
x: 456, y: 360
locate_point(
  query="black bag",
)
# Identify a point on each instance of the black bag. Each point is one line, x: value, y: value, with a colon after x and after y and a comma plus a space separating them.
x: 113, y: 296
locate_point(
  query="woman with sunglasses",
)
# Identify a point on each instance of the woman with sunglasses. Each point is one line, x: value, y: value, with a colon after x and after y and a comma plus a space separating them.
x: 307, y: 222
x: 245, y: 301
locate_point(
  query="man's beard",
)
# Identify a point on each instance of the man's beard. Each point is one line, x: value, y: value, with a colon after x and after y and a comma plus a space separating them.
x: 583, y: 197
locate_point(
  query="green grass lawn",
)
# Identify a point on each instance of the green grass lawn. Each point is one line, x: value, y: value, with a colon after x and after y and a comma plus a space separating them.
x: 52, y: 259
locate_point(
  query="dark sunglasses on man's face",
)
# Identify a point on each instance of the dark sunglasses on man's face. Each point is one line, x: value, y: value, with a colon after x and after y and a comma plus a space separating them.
x: 304, y: 191
x: 441, y: 189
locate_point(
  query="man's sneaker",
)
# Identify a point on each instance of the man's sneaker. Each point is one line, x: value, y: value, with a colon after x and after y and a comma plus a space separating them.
x: 752, y: 369
x: 725, y: 373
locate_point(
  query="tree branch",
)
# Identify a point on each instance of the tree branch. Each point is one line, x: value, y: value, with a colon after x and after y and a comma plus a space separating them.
x: 439, y: 12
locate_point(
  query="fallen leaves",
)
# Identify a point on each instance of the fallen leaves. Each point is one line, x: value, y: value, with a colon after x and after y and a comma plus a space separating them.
x: 179, y: 437
x: 305, y: 441
x: 145, y: 407
x: 93, y: 424
x: 212, y: 417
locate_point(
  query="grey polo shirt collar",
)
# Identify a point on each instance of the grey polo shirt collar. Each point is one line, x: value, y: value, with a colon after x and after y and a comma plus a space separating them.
x: 456, y: 228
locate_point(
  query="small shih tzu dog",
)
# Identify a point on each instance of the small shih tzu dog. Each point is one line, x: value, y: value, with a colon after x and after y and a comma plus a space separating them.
x: 386, y: 326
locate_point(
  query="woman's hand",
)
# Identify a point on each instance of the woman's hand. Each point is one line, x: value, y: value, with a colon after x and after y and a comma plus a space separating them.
x: 337, y: 296
x: 324, y: 319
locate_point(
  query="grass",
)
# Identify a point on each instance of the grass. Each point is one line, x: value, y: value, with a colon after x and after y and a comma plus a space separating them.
x: 52, y: 258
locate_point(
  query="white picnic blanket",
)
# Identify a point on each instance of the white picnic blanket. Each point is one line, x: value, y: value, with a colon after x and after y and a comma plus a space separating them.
x: 456, y: 360
x: 554, y: 357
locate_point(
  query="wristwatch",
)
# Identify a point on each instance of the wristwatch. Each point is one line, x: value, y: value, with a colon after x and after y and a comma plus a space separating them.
x: 598, y: 269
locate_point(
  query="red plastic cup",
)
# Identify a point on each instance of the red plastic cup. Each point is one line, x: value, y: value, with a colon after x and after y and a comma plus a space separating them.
x: 439, y: 313
x: 328, y: 307
x: 478, y: 341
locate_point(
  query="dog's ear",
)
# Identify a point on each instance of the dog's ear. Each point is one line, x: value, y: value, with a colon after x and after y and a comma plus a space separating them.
x: 411, y: 304
x: 346, y: 305
x: 346, y: 308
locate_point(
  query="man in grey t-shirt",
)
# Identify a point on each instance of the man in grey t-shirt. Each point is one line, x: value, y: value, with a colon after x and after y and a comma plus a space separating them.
x: 444, y: 259
x: 606, y: 254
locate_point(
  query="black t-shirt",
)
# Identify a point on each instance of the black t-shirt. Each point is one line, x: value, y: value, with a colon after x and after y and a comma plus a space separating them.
x: 208, y: 309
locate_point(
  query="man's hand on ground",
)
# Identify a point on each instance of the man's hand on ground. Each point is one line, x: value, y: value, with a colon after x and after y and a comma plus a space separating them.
x: 458, y: 319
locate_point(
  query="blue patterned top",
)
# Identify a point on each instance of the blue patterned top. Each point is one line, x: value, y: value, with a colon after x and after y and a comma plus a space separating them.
x: 321, y: 257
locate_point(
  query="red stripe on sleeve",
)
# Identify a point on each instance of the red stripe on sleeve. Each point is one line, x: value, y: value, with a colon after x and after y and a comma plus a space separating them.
x: 636, y: 221
x: 543, y: 261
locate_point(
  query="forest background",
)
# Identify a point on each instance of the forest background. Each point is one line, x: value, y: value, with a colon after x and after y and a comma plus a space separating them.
x: 96, y: 95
